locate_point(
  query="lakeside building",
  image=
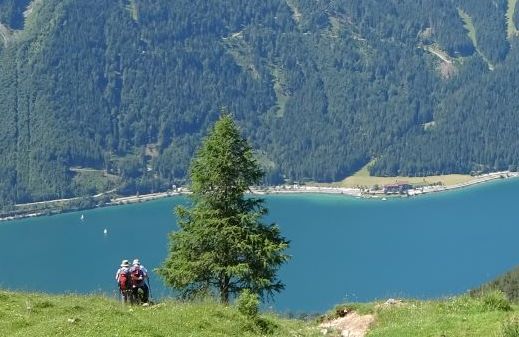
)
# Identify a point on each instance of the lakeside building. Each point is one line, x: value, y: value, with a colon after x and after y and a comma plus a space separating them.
x: 397, y: 188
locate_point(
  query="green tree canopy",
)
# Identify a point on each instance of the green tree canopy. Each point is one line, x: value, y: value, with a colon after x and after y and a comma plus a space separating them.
x: 221, y: 244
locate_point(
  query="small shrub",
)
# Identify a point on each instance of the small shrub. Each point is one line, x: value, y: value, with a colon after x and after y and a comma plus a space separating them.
x: 496, y: 300
x: 340, y: 311
x: 4, y: 297
x: 43, y: 305
x: 248, y: 303
x: 510, y: 328
x: 75, y: 309
x: 266, y: 326
x: 461, y: 304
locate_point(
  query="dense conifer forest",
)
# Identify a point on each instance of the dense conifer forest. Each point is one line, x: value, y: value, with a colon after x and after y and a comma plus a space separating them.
x: 128, y: 88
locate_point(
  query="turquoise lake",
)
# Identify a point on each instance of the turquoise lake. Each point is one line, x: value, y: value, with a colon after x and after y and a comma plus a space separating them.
x: 343, y: 249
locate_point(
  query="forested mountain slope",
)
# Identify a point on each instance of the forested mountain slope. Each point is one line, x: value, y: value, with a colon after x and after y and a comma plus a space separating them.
x: 319, y: 87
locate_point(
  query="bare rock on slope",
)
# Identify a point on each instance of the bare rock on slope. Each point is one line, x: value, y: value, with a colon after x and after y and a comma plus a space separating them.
x: 351, y: 325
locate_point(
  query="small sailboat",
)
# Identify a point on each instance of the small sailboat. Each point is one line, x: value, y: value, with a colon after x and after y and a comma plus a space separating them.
x: 82, y: 217
x: 105, y: 231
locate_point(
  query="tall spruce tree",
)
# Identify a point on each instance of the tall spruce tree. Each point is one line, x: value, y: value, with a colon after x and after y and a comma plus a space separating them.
x: 222, y: 246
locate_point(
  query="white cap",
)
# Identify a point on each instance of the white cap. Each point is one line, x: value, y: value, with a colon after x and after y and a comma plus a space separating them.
x: 136, y: 262
x: 125, y: 263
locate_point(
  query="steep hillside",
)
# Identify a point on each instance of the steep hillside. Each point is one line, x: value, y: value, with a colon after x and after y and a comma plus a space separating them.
x: 507, y: 283
x: 320, y: 88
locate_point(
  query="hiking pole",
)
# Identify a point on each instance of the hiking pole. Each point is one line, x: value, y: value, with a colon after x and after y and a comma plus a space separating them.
x: 149, y: 290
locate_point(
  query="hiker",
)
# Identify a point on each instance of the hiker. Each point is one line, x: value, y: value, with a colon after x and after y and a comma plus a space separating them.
x: 139, y: 275
x: 123, y: 278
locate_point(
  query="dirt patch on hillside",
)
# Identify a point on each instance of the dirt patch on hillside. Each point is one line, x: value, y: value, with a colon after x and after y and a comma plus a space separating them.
x: 351, y: 325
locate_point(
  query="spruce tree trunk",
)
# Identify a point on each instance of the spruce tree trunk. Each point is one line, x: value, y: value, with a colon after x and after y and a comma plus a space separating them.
x: 224, y: 290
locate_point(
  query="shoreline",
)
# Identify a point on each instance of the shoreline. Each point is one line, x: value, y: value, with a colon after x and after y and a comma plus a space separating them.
x: 370, y: 194
x: 476, y: 181
x: 282, y: 189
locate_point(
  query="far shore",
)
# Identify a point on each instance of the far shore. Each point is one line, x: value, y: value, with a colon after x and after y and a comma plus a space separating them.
x: 290, y: 189
x: 369, y: 193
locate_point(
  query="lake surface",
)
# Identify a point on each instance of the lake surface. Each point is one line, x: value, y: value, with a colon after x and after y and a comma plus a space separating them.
x: 343, y: 249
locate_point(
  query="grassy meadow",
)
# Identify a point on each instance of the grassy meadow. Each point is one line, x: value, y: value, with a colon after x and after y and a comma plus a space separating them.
x: 363, y: 178
x: 29, y: 314
x: 462, y: 316
x: 23, y: 314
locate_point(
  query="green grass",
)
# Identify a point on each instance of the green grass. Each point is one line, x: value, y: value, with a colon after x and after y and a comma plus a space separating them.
x: 24, y: 314
x: 95, y: 182
x: 296, y: 14
x: 41, y: 315
x: 469, y: 26
x: 363, y: 178
x: 282, y: 98
x: 512, y: 30
x: 456, y: 317
x: 486, y: 315
x: 132, y: 8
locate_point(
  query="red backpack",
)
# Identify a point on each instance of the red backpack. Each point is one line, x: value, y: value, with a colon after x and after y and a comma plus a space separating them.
x: 137, y: 276
x: 124, y: 280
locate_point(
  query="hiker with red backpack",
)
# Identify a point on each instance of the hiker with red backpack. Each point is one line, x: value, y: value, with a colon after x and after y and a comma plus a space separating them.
x: 139, y: 276
x: 123, y: 278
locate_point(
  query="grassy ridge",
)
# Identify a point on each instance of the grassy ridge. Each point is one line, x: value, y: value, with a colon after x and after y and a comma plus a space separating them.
x: 23, y: 314
x: 459, y: 316
x: 73, y: 315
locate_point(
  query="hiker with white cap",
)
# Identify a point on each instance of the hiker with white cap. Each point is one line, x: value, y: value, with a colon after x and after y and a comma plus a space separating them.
x: 123, y: 278
x: 139, y: 275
